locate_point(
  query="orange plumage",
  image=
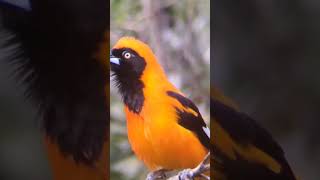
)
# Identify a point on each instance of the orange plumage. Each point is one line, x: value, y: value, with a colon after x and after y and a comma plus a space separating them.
x: 160, y: 128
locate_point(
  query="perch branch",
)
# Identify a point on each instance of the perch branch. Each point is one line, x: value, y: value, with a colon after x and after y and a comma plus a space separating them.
x: 198, y: 171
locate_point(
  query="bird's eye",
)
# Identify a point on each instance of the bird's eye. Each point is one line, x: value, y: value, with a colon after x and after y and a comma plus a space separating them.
x: 126, y: 55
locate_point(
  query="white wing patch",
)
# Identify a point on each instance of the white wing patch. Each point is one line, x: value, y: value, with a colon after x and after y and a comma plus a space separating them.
x: 207, y: 131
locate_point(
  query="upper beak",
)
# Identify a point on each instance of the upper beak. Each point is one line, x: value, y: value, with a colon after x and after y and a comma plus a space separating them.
x: 114, y: 60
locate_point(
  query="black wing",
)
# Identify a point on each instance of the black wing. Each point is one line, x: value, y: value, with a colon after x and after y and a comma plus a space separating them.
x: 190, y: 121
x: 245, y: 131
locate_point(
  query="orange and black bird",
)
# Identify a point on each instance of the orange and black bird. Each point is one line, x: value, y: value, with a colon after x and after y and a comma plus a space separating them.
x: 242, y: 149
x: 60, y: 49
x: 165, y: 128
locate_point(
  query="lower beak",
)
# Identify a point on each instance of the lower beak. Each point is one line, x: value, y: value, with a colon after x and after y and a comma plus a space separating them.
x: 114, y: 60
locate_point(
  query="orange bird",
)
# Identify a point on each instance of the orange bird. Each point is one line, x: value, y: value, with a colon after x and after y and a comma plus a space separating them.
x: 165, y: 129
x: 60, y: 48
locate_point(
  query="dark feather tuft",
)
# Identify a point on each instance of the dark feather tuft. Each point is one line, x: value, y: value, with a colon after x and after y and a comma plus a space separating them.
x: 54, y: 55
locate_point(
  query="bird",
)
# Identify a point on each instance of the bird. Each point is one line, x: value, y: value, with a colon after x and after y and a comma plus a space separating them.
x: 59, y: 51
x: 241, y: 148
x: 165, y: 128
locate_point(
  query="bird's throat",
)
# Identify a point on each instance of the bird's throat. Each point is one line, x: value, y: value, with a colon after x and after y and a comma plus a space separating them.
x: 131, y: 90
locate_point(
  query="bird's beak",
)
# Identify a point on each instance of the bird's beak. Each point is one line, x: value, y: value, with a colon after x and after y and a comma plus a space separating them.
x: 114, y: 60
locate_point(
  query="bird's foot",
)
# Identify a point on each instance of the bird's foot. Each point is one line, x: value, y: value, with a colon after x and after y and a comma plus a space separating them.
x: 186, y: 174
x: 157, y: 175
x: 190, y: 174
x: 199, y: 171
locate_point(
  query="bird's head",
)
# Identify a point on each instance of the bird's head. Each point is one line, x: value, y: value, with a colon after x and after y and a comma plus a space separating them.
x: 135, y: 68
x: 133, y: 59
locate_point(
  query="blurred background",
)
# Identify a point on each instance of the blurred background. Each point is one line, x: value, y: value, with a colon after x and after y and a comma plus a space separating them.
x: 179, y: 34
x: 266, y: 57
x: 22, y: 154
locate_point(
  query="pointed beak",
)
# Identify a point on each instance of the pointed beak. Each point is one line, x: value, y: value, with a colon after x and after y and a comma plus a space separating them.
x: 114, y: 60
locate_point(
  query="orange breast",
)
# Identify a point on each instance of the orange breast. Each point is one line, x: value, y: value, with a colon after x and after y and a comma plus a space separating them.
x: 64, y: 168
x: 159, y: 141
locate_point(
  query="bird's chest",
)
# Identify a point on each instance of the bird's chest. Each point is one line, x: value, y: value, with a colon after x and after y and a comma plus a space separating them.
x: 145, y: 133
x: 158, y: 140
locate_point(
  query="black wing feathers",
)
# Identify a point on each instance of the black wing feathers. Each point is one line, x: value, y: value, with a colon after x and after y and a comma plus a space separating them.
x: 189, y: 120
x: 245, y: 131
